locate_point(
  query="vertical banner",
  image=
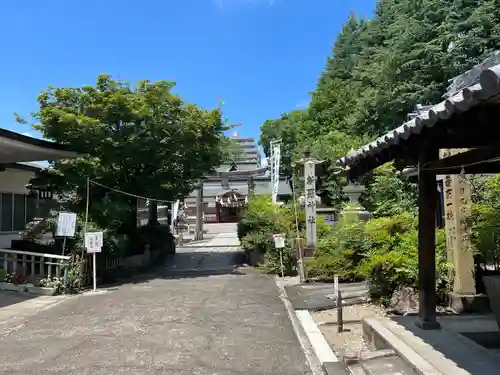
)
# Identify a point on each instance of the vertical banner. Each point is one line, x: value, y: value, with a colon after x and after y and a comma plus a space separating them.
x: 271, y: 166
x: 310, y: 202
x: 275, y: 170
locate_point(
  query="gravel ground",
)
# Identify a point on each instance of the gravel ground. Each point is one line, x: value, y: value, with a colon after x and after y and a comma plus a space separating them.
x: 351, y: 340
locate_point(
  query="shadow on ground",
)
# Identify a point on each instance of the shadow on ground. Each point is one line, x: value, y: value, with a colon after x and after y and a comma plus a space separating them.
x: 186, y: 264
x: 465, y: 353
x: 11, y: 298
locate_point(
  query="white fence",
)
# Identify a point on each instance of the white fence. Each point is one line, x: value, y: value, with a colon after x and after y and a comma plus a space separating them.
x: 33, y: 265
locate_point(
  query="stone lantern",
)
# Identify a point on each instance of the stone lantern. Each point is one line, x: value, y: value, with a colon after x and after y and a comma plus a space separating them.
x: 353, y: 208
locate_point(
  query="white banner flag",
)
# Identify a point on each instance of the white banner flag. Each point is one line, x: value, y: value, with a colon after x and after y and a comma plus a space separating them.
x: 275, y: 175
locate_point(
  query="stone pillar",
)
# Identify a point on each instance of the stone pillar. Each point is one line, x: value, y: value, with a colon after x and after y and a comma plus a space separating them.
x: 310, y: 203
x: 251, y: 187
x: 354, y: 209
x: 457, y: 201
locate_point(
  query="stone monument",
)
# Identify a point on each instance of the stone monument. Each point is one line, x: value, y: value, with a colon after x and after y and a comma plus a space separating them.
x: 457, y: 211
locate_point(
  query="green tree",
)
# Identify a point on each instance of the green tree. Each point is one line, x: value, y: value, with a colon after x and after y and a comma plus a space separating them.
x: 143, y: 140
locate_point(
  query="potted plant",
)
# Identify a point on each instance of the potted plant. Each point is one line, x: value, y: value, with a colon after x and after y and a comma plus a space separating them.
x: 46, y: 286
x: 13, y: 282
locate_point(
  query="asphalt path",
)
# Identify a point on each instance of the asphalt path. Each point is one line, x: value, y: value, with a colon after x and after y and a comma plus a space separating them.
x: 200, y: 314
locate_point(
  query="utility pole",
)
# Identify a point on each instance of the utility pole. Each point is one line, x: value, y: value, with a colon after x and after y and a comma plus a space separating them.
x: 199, y: 212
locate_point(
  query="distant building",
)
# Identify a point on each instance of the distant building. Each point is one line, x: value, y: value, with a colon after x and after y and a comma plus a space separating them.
x: 226, y: 192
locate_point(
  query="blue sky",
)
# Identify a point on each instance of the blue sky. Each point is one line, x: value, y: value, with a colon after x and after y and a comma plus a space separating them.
x: 260, y: 57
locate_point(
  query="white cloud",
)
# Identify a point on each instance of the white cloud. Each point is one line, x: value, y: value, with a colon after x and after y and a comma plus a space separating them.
x: 302, y: 105
x: 27, y: 134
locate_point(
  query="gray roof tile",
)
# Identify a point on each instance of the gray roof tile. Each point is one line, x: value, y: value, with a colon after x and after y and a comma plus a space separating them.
x: 462, y: 101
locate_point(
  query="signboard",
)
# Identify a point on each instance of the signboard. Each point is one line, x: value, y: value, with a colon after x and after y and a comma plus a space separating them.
x: 279, y: 241
x: 66, y: 224
x: 93, y: 242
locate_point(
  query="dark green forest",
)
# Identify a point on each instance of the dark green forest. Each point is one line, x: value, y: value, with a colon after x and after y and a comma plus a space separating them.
x: 378, y: 71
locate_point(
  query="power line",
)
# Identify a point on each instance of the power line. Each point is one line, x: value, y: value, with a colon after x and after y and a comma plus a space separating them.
x: 129, y: 194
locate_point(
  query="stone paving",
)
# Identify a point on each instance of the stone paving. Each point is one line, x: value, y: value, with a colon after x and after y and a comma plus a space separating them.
x: 198, y: 315
x: 319, y: 296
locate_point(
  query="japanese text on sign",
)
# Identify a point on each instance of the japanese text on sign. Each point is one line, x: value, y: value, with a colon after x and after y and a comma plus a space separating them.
x: 279, y: 241
x: 66, y: 224
x: 93, y: 242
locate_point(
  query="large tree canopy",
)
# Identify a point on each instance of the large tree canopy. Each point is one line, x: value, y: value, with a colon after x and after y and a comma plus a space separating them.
x: 143, y: 140
x: 380, y: 69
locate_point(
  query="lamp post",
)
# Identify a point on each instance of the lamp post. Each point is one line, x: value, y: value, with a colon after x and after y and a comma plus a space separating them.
x: 310, y: 200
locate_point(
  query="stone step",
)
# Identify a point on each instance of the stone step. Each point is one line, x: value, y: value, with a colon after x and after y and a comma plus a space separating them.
x: 380, y: 362
x: 386, y: 366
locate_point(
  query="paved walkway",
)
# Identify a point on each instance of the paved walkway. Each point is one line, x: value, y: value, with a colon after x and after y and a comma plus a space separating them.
x: 198, y: 316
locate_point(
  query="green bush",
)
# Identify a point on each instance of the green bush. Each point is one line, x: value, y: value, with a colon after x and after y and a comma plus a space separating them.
x: 158, y: 237
x: 486, y: 220
x: 340, y: 252
x: 382, y: 251
x: 255, y: 229
x: 388, y: 270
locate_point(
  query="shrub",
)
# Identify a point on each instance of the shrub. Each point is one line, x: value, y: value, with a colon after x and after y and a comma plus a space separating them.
x: 340, y: 252
x: 388, y: 270
x: 158, y: 237
x: 255, y: 229
x: 384, y: 251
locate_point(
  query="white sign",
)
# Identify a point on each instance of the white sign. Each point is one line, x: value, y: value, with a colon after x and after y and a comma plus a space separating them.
x: 66, y: 224
x: 93, y: 242
x: 279, y: 241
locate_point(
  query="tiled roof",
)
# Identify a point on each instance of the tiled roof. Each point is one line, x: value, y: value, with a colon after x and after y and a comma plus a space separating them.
x: 468, y: 97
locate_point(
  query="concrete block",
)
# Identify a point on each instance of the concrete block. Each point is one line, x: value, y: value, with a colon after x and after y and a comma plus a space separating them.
x: 474, y: 303
x: 41, y: 291
x: 13, y: 287
x: 492, y: 285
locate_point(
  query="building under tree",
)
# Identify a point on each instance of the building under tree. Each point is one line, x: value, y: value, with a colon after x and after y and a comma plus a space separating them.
x: 227, y: 190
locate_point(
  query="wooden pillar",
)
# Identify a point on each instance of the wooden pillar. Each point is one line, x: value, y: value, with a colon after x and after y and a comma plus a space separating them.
x: 217, y: 212
x: 153, y: 213
x: 427, y: 204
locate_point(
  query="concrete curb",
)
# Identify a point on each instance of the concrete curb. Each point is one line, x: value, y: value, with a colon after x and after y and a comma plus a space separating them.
x: 321, y: 358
